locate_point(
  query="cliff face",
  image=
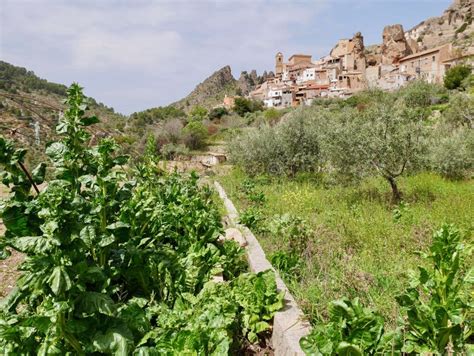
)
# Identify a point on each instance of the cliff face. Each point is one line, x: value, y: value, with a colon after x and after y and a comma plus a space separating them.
x: 211, y: 91
x: 394, y: 45
x: 454, y: 25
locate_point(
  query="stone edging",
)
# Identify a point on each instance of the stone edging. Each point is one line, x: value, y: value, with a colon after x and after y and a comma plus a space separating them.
x: 288, y: 325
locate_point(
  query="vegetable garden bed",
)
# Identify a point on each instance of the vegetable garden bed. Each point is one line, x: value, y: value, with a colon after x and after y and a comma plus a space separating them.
x: 122, y: 262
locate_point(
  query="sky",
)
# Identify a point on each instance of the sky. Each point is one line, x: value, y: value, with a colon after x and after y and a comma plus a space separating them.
x: 137, y: 54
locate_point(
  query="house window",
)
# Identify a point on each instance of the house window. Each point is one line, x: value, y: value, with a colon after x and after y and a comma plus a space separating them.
x: 434, y: 58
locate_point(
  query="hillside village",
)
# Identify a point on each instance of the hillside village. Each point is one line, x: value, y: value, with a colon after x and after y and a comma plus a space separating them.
x: 351, y: 67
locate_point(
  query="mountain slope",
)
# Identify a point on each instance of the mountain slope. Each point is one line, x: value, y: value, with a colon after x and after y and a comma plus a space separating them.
x: 454, y: 25
x: 30, y: 108
x: 211, y: 91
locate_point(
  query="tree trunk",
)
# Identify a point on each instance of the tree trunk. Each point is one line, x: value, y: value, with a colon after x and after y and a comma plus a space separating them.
x: 396, y: 194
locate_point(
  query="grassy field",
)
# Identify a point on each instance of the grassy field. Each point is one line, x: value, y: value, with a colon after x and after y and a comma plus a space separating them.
x: 360, y: 245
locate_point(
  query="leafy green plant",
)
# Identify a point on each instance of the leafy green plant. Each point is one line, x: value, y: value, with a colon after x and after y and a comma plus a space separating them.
x: 251, y: 193
x: 436, y: 310
x: 352, y: 330
x: 252, y: 218
x: 287, y: 263
x: 293, y: 231
x: 438, y: 303
x: 257, y: 297
x: 117, y: 265
x: 400, y: 211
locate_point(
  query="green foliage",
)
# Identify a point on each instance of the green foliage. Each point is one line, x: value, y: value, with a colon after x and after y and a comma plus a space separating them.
x: 13, y: 77
x: 288, y: 264
x: 251, y: 193
x: 120, y: 266
x: 256, y: 296
x: 244, y: 105
x: 195, y: 134
x: 386, y: 138
x: 460, y: 111
x: 217, y: 113
x: 436, y: 308
x: 462, y: 28
x: 162, y: 113
x: 198, y: 113
x: 453, y: 155
x: 352, y: 330
x: 171, y: 151
x: 272, y: 114
x: 287, y: 148
x: 455, y: 75
x: 438, y: 303
x: 419, y: 95
x: 401, y: 211
x: 252, y: 218
x: 293, y: 231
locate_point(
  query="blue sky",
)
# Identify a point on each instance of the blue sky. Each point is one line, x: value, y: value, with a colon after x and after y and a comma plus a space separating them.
x: 138, y: 54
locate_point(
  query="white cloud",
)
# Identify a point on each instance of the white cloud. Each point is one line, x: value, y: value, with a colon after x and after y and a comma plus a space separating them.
x: 98, y: 49
x: 164, y: 46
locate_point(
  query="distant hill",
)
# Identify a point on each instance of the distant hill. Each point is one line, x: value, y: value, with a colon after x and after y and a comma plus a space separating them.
x: 30, y: 107
x: 211, y: 91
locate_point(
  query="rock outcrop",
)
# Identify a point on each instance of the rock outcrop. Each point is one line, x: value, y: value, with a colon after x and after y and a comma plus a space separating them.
x: 247, y: 82
x: 395, y: 45
x: 359, y: 51
x: 211, y: 91
x: 455, y: 25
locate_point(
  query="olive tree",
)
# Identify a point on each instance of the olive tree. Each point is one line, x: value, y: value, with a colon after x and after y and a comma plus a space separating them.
x: 386, y: 138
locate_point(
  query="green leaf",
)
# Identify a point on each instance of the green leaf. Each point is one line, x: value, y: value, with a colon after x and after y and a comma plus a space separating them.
x: 91, y: 120
x: 347, y: 349
x: 93, y: 302
x: 56, y: 150
x: 59, y: 281
x: 34, y: 244
x: 117, y: 341
x: 38, y: 174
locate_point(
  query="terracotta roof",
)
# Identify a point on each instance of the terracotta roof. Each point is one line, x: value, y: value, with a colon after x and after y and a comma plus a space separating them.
x: 423, y: 53
x: 459, y: 57
x: 300, y: 55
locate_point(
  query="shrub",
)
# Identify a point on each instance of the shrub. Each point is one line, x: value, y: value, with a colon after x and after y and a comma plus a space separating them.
x: 419, y: 94
x: 198, y: 113
x: 452, y: 155
x: 455, y: 75
x: 195, y: 135
x: 244, y: 105
x: 272, y: 114
x: 171, y: 151
x: 462, y: 28
x: 217, y: 113
x: 290, y: 147
x: 460, y: 111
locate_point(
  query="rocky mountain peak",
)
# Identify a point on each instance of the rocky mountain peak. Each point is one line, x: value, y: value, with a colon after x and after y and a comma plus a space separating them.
x: 210, y: 91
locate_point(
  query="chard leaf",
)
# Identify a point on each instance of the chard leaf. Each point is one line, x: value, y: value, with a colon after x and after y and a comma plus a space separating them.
x: 59, y: 280
x: 93, y: 302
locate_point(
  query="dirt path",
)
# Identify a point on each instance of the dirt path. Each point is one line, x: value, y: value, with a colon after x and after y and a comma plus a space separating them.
x: 8, y: 267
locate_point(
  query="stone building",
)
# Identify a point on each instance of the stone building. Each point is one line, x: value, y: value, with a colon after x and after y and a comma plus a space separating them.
x: 427, y: 65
